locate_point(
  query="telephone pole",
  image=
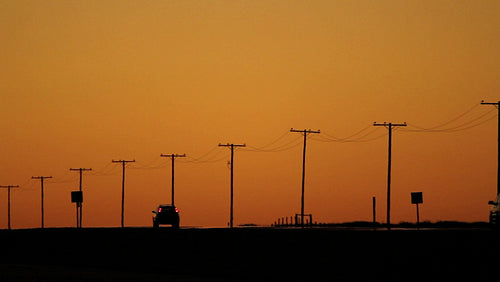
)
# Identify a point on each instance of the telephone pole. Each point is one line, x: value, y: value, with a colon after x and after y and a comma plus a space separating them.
x: 123, y: 162
x: 497, y: 104
x: 8, y: 205
x: 173, y: 156
x: 389, y: 126
x: 79, y: 205
x: 232, y: 146
x: 305, y: 132
x: 41, y: 180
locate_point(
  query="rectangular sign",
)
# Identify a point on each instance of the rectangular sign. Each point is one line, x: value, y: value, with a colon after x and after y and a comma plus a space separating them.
x: 416, y: 198
x: 76, y: 196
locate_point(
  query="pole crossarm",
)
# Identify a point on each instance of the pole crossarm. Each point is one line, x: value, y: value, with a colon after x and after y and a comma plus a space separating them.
x: 231, y: 146
x: 9, y: 186
x: 80, y: 169
x: 124, y: 163
x: 389, y: 126
x: 305, y: 132
x: 173, y: 157
x: 486, y: 103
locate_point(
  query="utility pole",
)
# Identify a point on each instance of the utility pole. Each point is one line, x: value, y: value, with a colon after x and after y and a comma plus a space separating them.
x: 374, y: 211
x: 389, y: 126
x: 79, y: 205
x: 41, y: 180
x: 305, y: 132
x: 123, y: 162
x: 8, y: 205
x: 232, y: 161
x: 173, y: 156
x: 497, y: 105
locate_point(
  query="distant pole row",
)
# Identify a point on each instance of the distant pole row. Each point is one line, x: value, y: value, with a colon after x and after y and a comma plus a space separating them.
x: 305, y: 132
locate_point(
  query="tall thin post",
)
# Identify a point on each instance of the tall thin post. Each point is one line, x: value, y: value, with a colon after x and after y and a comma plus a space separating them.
x: 123, y: 162
x: 231, y: 146
x: 497, y: 104
x: 8, y: 201
x: 232, y: 163
x: 305, y: 132
x: 374, y: 211
x: 418, y: 216
x: 173, y: 156
x: 79, y: 206
x: 41, y: 180
x: 389, y: 126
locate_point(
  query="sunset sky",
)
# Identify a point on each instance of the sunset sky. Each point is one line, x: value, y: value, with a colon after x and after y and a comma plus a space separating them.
x: 83, y: 83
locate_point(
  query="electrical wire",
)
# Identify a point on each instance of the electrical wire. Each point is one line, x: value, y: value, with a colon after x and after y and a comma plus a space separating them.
x: 108, y: 169
x: 151, y: 165
x: 279, y: 148
x: 471, y: 123
x: 349, y: 139
x: 208, y: 157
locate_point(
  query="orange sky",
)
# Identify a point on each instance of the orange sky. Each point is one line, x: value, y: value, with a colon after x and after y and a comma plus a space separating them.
x: 85, y: 82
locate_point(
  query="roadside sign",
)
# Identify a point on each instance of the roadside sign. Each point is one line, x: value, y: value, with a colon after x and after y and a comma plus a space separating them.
x: 416, y: 198
x: 76, y: 196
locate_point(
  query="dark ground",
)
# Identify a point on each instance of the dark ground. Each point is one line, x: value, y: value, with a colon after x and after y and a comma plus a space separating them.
x: 249, y: 254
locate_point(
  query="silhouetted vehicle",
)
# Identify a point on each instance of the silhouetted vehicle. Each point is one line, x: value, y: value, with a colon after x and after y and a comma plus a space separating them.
x: 166, y: 214
x: 495, y: 211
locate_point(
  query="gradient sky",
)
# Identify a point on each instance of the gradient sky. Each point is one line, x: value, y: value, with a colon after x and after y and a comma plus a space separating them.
x: 86, y: 82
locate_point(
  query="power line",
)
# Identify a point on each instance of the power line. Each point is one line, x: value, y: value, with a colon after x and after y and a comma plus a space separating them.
x: 349, y: 139
x: 8, y: 196
x: 42, y: 178
x: 389, y: 126
x: 279, y: 148
x: 173, y: 157
x: 107, y: 170
x: 211, y: 156
x: 472, y: 122
x: 123, y: 162
x: 231, y: 146
x: 304, y: 132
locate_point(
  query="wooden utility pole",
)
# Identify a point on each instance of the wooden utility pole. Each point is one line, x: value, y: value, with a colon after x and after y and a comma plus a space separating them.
x: 232, y: 146
x: 374, y: 210
x: 41, y: 180
x: 305, y: 132
x: 79, y: 205
x: 8, y: 196
x: 497, y: 104
x: 123, y: 162
x: 389, y: 126
x: 173, y: 156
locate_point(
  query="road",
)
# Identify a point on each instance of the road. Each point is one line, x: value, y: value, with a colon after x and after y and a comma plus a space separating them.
x: 248, y: 254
